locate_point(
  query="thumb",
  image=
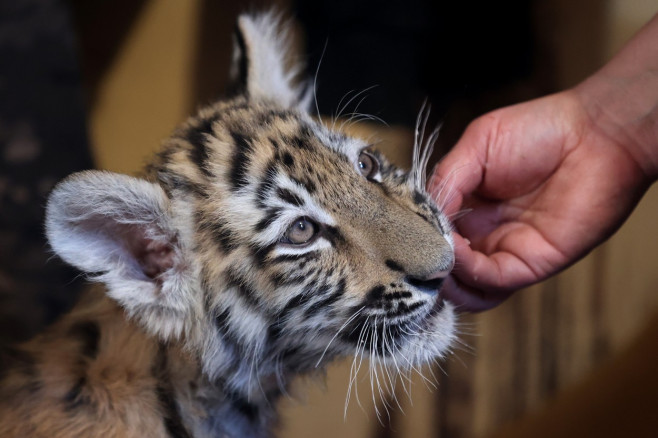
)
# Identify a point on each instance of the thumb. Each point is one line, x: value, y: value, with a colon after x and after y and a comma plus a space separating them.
x: 462, y: 170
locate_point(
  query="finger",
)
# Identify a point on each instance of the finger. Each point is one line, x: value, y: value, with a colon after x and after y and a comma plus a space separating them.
x: 468, y: 299
x: 500, y: 271
x: 462, y: 170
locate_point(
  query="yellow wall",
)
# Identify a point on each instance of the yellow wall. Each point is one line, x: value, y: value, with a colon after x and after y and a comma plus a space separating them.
x: 146, y: 92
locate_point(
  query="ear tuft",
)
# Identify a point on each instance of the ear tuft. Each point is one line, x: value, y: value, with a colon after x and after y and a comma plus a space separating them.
x: 260, y: 61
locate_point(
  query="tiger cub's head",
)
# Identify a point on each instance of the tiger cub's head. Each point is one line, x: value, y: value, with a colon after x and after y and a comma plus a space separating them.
x: 260, y: 235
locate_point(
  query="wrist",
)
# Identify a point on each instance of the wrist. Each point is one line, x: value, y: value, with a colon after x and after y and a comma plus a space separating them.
x: 619, y: 111
x: 621, y: 99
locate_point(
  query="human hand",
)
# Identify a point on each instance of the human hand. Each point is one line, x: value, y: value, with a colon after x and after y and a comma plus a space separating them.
x: 545, y: 185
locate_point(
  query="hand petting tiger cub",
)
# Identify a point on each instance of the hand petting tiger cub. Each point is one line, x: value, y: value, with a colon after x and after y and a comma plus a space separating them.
x: 258, y: 246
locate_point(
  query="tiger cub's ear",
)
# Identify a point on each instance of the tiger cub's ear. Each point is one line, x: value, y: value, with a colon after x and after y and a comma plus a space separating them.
x: 261, y: 62
x: 118, y: 229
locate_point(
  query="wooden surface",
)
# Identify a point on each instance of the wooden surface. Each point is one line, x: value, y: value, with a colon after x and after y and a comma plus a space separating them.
x: 544, y: 357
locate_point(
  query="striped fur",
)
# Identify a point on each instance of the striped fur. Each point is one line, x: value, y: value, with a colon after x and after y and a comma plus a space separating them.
x: 209, y: 309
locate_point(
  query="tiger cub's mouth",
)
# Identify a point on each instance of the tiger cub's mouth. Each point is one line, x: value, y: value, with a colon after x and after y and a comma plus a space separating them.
x: 431, y: 286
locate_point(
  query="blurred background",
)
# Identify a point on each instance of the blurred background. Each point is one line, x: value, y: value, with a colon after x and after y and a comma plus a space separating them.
x: 100, y: 83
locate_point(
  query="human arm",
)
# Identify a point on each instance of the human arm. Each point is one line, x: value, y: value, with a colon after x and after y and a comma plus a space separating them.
x: 548, y: 180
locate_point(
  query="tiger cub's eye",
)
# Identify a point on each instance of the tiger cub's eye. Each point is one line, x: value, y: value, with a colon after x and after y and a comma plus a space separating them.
x: 368, y: 165
x: 300, y: 232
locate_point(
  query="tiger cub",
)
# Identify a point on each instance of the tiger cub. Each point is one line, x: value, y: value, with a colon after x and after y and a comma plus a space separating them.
x: 259, y: 245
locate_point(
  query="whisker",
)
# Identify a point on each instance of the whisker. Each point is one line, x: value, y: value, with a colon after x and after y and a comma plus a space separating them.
x: 437, y: 193
x: 459, y: 214
x: 354, y: 370
x: 350, y: 319
x: 418, y: 139
x: 344, y: 107
x: 336, y: 114
x: 315, y: 78
x: 427, y: 153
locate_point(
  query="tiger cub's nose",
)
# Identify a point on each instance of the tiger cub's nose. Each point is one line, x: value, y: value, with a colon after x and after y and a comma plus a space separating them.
x: 432, y: 282
x: 443, y: 271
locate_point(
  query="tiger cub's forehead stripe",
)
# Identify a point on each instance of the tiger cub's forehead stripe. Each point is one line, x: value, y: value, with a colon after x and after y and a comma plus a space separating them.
x: 266, y: 184
x: 287, y: 159
x: 290, y: 197
x: 306, y: 183
x: 303, y: 139
x: 241, y: 159
x: 197, y: 136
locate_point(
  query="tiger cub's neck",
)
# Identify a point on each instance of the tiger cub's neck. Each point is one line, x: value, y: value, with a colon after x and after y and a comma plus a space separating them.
x: 100, y: 364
